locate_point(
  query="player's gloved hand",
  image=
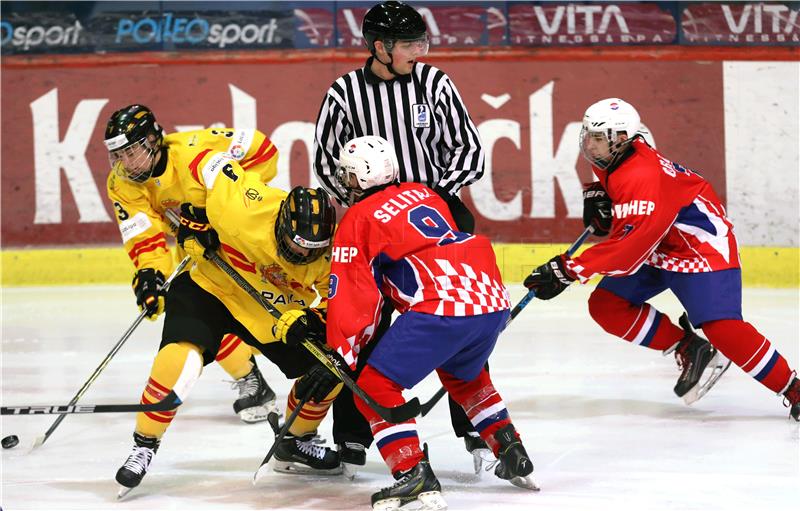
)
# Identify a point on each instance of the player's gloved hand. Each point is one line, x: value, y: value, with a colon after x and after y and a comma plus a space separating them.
x: 319, y: 381
x: 298, y: 325
x: 597, y: 209
x: 195, y: 234
x: 465, y: 220
x: 148, y: 286
x: 550, y: 279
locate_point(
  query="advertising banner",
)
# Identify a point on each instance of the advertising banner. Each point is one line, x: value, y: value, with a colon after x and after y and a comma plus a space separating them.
x: 30, y: 28
x: 54, y: 164
x: 736, y: 23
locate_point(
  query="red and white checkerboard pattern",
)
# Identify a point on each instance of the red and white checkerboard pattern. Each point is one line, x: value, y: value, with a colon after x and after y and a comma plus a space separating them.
x: 696, y: 265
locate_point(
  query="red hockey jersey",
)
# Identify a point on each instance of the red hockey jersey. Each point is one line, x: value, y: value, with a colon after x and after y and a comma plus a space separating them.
x: 663, y: 215
x: 402, y: 241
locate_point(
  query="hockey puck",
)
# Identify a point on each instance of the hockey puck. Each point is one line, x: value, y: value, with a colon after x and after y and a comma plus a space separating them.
x: 10, y: 441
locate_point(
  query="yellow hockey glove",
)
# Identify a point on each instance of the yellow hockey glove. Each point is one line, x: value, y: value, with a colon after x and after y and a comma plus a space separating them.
x: 148, y: 286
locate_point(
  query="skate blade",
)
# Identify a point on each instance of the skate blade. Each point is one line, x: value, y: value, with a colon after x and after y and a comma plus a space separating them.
x: 350, y: 470
x: 123, y: 491
x: 254, y: 414
x: 479, y: 456
x: 716, y: 368
x: 526, y: 483
x: 290, y: 467
x: 430, y: 501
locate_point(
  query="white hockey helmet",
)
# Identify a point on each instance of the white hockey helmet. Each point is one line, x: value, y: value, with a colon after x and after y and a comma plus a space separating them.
x: 364, y: 163
x: 603, y: 123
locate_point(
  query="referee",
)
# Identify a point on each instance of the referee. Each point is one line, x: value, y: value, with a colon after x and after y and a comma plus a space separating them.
x: 417, y: 108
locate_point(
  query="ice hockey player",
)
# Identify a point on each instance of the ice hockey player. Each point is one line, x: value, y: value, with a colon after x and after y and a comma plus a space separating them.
x: 399, y: 239
x: 668, y: 230
x: 151, y: 173
x: 279, y: 243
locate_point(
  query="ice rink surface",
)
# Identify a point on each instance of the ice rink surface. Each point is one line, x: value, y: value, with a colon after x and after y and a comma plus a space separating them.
x: 597, y: 415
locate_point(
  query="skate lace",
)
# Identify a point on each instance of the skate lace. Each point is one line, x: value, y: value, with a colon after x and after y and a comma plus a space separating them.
x: 139, y: 459
x: 248, y: 386
x: 311, y: 447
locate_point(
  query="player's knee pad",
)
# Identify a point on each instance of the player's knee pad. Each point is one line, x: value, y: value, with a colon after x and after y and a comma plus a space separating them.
x: 607, y: 309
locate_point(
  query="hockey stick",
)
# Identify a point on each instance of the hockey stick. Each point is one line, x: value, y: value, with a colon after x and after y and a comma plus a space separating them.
x: 43, y: 438
x: 429, y: 404
x: 329, y: 358
x: 273, y: 422
x: 170, y: 401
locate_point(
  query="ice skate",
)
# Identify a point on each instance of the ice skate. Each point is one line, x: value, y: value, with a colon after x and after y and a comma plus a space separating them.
x: 256, y: 399
x: 701, y: 364
x: 479, y: 450
x: 792, y: 395
x: 304, y: 455
x: 417, y: 484
x: 133, y: 471
x: 514, y: 464
x: 352, y: 456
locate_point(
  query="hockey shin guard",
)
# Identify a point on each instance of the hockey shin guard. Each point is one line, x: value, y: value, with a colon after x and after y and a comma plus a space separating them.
x: 167, y: 368
x: 234, y: 357
x: 750, y: 350
x: 642, y: 325
x: 483, y: 405
x: 397, y: 443
x: 312, y: 413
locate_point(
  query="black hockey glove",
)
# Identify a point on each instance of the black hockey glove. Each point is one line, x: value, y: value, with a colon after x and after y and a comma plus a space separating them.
x: 550, y: 279
x: 465, y: 221
x: 298, y: 325
x: 597, y: 209
x: 148, y: 286
x: 319, y: 381
x: 195, y: 234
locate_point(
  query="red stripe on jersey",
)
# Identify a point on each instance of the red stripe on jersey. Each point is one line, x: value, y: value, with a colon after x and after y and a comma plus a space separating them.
x: 261, y: 150
x: 148, y: 245
x: 242, y: 262
x: 261, y: 160
x: 193, y: 167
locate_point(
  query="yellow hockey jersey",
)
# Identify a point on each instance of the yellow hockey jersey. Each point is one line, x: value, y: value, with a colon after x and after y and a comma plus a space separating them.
x: 243, y: 211
x: 140, y: 207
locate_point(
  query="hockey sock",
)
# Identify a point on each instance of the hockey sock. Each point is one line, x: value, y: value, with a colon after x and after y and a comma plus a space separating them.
x: 312, y: 413
x: 637, y: 324
x: 397, y: 443
x: 750, y: 350
x: 234, y: 357
x: 485, y: 408
x: 166, y: 370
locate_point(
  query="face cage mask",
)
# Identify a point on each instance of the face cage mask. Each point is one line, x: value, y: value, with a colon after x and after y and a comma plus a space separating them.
x: 140, y: 157
x: 615, y: 149
x: 285, y: 250
x: 349, y: 182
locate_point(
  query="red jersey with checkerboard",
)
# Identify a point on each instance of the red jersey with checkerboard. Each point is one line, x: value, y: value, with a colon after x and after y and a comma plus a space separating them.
x: 663, y: 215
x: 402, y: 241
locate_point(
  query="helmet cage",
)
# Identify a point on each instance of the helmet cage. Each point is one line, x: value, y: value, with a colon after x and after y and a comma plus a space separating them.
x: 305, y: 225
x: 616, y: 147
x: 134, y: 161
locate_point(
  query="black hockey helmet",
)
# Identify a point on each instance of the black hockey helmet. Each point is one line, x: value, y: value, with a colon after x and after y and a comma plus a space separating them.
x: 392, y: 21
x: 305, y: 225
x: 133, y: 139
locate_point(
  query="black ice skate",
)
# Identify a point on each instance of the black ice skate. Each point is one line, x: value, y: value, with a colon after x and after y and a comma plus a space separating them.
x: 303, y: 455
x: 132, y: 472
x: 256, y: 399
x: 416, y: 484
x: 480, y: 451
x: 514, y: 464
x: 701, y: 364
x: 792, y: 395
x: 352, y: 456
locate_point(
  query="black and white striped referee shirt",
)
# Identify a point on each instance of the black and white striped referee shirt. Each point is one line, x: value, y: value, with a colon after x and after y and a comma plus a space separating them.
x: 421, y: 114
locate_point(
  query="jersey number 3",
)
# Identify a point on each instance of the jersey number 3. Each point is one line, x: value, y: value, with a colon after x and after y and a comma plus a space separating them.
x: 431, y: 224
